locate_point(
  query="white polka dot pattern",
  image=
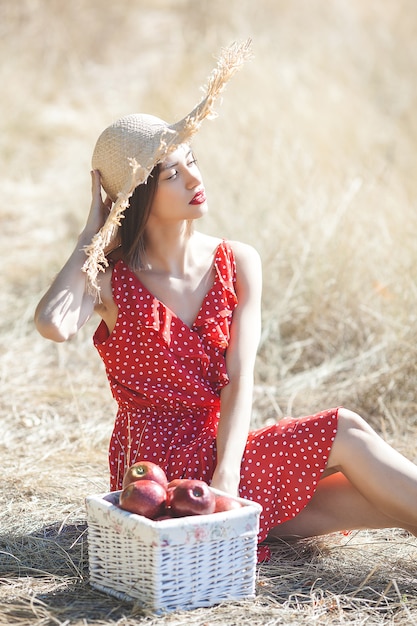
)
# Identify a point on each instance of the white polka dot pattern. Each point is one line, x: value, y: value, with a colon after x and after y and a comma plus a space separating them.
x: 166, y: 378
x: 282, y: 465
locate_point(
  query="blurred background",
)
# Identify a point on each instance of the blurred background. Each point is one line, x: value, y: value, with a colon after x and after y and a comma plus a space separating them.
x: 312, y: 160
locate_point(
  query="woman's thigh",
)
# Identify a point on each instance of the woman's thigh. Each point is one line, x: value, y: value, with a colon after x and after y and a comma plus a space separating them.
x: 336, y: 505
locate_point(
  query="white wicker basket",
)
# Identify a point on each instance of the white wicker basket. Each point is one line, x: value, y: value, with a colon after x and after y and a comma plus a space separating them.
x: 182, y: 563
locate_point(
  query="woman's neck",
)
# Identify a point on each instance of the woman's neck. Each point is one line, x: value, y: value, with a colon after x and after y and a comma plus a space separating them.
x: 169, y: 251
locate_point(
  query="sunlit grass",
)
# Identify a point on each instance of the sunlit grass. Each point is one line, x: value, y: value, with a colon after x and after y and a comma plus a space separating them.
x: 312, y: 160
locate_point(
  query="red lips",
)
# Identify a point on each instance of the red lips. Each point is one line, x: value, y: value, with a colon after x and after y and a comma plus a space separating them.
x: 199, y: 197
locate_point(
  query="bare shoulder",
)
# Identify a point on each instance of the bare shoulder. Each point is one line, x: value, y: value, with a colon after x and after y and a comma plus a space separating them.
x: 248, y: 270
x: 245, y: 254
x: 205, y: 244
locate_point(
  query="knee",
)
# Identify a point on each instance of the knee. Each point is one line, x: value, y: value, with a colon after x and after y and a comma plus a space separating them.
x: 349, y: 420
x: 352, y: 431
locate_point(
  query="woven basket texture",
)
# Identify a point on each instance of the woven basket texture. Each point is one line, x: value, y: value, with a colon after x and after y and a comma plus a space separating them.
x: 176, y: 564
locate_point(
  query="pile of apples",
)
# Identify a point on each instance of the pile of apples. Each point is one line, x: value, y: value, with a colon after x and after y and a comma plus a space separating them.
x: 146, y: 491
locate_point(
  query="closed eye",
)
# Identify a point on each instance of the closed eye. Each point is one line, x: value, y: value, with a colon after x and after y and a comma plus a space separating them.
x: 175, y: 172
x: 169, y: 168
x: 191, y: 159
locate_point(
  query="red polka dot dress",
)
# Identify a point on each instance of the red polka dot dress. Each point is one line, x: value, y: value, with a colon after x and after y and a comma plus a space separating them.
x: 166, y: 378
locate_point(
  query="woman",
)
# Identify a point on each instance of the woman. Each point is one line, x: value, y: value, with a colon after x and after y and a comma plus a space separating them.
x: 180, y: 325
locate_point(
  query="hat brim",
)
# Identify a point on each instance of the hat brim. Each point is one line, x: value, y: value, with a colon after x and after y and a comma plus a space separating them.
x: 168, y: 140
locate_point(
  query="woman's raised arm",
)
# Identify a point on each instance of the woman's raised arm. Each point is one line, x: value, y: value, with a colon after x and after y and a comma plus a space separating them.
x: 67, y: 305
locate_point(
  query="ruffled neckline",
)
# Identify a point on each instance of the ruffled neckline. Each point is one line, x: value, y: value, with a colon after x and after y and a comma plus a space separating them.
x: 157, y: 309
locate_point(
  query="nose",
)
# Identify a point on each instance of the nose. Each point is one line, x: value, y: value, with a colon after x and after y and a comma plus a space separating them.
x: 193, y: 178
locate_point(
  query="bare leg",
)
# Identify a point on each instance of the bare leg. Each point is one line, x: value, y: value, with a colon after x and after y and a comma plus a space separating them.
x: 381, y: 474
x: 336, y: 505
x: 374, y: 487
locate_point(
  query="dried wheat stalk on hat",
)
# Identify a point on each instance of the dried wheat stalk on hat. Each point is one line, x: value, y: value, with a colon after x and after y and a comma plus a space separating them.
x: 127, y: 151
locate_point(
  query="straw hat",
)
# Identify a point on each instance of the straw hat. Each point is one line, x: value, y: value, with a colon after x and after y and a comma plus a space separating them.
x: 127, y: 151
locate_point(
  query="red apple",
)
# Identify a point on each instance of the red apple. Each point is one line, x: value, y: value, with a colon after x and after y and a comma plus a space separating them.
x: 171, y: 486
x: 175, y: 481
x: 190, y: 497
x: 226, y: 503
x: 144, y: 497
x: 145, y: 470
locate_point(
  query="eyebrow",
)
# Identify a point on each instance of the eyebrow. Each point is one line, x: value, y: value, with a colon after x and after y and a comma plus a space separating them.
x: 169, y: 166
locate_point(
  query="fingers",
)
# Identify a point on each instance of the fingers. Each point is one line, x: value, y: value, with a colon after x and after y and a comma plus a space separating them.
x: 97, y: 198
x: 99, y: 210
x: 96, y: 185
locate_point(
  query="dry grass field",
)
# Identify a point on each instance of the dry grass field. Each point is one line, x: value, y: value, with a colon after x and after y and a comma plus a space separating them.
x: 313, y: 160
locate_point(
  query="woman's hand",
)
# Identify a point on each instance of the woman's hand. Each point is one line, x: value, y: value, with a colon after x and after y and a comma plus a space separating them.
x: 225, y: 481
x: 99, y: 210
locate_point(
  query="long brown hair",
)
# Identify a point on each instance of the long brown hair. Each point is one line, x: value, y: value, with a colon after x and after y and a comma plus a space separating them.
x: 132, y: 229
